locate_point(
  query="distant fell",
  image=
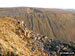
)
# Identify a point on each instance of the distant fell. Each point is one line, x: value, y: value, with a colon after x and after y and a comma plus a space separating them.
x: 55, y: 23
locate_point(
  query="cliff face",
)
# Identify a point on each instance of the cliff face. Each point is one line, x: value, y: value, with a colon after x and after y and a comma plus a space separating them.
x: 55, y: 23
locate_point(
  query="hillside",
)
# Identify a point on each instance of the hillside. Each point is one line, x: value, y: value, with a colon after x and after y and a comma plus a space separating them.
x: 55, y: 23
x: 17, y: 40
x: 13, y: 40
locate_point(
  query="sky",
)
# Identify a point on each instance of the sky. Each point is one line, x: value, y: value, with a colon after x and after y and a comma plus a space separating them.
x: 62, y: 4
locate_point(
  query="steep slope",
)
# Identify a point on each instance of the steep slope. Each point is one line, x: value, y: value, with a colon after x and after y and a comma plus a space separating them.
x: 55, y: 23
x: 12, y: 41
x: 8, y: 39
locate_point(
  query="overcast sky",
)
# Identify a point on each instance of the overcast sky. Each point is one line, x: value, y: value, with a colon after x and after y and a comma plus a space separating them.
x: 65, y: 4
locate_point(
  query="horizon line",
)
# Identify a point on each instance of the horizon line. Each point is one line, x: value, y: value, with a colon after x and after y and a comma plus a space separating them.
x: 37, y: 7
